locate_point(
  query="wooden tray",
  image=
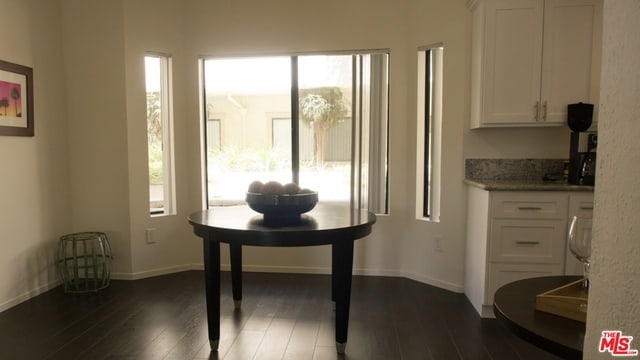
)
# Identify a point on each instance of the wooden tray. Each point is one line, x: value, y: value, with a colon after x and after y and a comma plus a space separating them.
x: 568, y: 301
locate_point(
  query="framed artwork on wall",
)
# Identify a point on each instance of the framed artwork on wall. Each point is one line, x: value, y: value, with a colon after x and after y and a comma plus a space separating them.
x: 16, y: 100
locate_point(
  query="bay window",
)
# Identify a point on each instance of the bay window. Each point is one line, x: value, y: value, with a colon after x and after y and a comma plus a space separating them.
x: 319, y: 120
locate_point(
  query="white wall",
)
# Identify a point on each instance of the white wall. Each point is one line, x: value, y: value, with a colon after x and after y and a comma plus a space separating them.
x: 164, y: 32
x: 615, y: 287
x: 34, y: 183
x: 94, y: 50
x: 518, y: 143
x: 195, y: 28
x: 399, y: 245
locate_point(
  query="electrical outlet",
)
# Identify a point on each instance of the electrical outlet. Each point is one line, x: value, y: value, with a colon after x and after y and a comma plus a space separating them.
x: 437, y: 243
x: 150, y: 236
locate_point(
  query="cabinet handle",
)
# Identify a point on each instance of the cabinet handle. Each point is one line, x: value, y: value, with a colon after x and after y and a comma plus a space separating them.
x: 527, y: 242
x: 529, y: 208
x: 586, y: 207
x: 537, y: 110
x: 544, y: 111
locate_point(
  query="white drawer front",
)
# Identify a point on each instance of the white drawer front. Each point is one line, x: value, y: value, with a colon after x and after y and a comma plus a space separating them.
x: 527, y: 241
x: 581, y: 205
x: 529, y: 206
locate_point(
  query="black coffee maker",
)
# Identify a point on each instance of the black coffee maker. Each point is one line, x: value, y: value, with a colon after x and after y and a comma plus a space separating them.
x: 582, y: 151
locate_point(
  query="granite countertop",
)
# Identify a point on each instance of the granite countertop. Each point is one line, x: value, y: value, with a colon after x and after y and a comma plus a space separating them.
x: 525, y: 185
x: 518, y: 175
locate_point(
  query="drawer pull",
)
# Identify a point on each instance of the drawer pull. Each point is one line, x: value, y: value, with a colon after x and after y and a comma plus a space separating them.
x: 586, y: 207
x: 529, y: 208
x: 527, y: 242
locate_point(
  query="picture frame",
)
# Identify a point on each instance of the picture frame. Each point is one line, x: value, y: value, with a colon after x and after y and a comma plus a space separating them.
x: 16, y: 100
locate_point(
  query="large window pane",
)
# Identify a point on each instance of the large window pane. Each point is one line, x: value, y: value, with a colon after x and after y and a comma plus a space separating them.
x: 247, y: 95
x: 325, y: 90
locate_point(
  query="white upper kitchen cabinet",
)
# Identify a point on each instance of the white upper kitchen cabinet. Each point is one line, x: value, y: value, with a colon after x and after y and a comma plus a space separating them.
x: 531, y: 58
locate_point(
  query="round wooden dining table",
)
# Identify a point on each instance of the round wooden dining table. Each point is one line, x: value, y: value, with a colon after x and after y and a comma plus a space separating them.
x: 514, y: 307
x: 238, y: 226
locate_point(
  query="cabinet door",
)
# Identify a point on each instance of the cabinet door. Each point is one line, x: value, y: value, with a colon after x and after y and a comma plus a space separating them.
x: 571, y: 56
x: 512, y: 63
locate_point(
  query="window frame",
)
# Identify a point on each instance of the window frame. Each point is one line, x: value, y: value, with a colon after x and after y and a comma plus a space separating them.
x: 361, y: 170
x: 165, y: 82
x: 430, y: 68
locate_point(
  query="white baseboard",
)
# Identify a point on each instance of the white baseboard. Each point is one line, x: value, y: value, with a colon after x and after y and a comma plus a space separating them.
x: 156, y: 272
x: 250, y: 268
x: 458, y: 288
x: 294, y: 270
x: 487, y: 312
x: 280, y: 269
x: 378, y: 272
x: 28, y: 295
x: 310, y: 270
x: 253, y: 268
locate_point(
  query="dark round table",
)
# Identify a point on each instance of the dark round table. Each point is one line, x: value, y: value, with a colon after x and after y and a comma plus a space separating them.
x: 338, y: 226
x: 514, y: 306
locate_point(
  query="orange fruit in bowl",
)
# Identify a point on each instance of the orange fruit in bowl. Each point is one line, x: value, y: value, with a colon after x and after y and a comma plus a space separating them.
x: 255, y: 187
x: 291, y: 188
x: 272, y: 188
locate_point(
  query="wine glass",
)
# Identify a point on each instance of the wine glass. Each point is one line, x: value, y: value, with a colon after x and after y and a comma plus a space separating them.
x: 580, y: 243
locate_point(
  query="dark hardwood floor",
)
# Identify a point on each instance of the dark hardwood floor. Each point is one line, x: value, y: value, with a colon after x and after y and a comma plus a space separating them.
x: 283, y: 316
